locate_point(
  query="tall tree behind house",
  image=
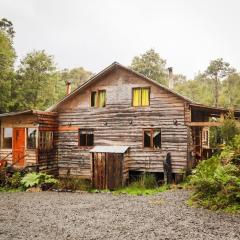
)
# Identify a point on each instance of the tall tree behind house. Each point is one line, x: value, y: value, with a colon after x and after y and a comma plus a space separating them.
x: 7, y: 58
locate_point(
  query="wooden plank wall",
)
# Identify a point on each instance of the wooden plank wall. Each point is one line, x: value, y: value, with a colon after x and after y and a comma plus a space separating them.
x: 47, y: 159
x: 121, y: 124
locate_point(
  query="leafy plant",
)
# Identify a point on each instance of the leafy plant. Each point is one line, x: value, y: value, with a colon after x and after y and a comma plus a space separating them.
x: 216, y: 181
x: 38, y: 180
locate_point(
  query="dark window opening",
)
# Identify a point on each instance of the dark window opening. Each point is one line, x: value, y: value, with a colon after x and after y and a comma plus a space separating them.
x: 86, y: 137
x: 152, y: 138
x: 93, y: 99
x: 7, y: 137
x: 31, y: 138
x: 147, y: 139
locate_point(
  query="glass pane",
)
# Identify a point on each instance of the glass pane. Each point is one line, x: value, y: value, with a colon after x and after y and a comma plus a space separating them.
x: 90, y: 139
x: 136, y: 97
x: 157, y: 139
x: 93, y: 99
x: 7, y: 138
x: 102, y: 98
x: 83, y: 141
x: 31, y: 138
x: 145, y: 96
x: 147, y: 139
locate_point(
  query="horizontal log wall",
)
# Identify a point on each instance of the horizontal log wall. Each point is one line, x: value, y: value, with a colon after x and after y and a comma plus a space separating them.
x: 121, y: 124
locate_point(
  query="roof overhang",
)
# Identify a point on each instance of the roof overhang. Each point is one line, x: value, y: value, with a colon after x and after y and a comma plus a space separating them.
x: 109, y: 149
x: 33, y: 112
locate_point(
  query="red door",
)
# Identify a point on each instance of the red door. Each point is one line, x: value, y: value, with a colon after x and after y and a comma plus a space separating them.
x: 18, y: 146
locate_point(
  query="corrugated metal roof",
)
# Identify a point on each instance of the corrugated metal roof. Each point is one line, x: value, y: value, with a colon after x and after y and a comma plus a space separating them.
x: 109, y: 149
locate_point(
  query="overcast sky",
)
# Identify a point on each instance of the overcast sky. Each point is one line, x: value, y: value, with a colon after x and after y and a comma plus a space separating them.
x: 95, y: 33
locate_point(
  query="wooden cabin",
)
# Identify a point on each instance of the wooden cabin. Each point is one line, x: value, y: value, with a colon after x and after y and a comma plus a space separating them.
x: 116, y: 124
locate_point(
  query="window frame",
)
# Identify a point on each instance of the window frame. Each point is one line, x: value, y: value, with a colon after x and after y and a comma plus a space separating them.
x: 79, y: 137
x: 97, y: 96
x: 3, y: 135
x: 149, y: 88
x: 151, y: 130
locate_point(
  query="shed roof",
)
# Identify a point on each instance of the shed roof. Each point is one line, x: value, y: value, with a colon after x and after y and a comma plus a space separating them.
x: 109, y: 149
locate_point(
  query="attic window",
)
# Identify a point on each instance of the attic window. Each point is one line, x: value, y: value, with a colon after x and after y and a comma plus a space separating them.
x: 98, y: 99
x: 152, y: 138
x: 141, y: 97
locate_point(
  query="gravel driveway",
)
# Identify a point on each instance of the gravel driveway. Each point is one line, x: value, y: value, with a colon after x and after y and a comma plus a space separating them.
x: 49, y: 215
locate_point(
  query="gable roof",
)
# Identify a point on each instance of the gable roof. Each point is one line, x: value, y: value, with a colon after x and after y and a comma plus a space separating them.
x: 107, y: 70
x: 31, y: 111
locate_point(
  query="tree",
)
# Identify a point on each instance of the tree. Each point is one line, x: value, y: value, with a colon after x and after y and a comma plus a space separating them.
x: 36, y: 81
x: 6, y: 26
x: 7, y: 58
x: 217, y: 71
x: 77, y: 76
x: 151, y: 65
x: 198, y: 89
x: 230, y: 91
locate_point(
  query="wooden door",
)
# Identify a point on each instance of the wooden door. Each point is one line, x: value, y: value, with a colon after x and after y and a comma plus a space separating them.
x: 107, y: 170
x: 99, y: 170
x: 18, y: 146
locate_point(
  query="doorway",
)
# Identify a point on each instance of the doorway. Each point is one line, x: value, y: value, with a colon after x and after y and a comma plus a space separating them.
x: 19, y: 146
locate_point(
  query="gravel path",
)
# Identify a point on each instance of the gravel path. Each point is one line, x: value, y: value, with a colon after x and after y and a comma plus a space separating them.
x: 49, y: 215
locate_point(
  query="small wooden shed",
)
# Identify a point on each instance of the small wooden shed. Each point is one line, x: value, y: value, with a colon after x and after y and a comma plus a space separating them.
x: 108, y: 166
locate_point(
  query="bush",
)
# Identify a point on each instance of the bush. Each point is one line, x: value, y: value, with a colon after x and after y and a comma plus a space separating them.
x: 42, y: 180
x: 216, y: 181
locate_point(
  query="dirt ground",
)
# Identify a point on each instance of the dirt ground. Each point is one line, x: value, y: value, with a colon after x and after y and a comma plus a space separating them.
x: 49, y: 215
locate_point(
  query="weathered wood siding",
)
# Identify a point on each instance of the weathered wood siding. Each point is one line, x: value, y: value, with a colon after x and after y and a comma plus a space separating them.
x: 121, y: 124
x: 47, y: 159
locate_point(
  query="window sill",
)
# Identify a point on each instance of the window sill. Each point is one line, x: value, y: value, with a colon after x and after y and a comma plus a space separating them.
x: 152, y: 149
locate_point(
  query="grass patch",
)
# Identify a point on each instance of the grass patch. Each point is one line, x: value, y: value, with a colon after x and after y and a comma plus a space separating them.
x: 5, y: 189
x: 135, y: 189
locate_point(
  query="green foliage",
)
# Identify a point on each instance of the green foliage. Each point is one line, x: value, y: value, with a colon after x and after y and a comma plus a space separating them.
x: 137, y: 189
x: 151, y: 65
x: 225, y: 133
x: 15, y: 180
x: 216, y: 181
x: 145, y: 185
x: 7, y: 57
x: 37, y: 180
x: 74, y: 184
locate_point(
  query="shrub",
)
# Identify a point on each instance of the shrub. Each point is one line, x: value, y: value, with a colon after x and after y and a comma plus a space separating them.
x: 38, y: 180
x: 216, y: 181
x: 148, y: 181
x: 15, y: 180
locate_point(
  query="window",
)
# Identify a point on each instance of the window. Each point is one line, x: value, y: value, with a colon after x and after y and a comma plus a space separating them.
x: 205, y: 139
x: 141, y: 97
x: 93, y: 99
x: 45, y: 140
x: 86, y: 137
x: 152, y: 138
x: 98, y: 99
x: 7, y: 137
x: 31, y: 138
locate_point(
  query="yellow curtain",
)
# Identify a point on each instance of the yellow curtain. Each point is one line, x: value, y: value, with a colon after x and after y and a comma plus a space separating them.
x: 102, y: 98
x: 145, y: 96
x: 136, y: 97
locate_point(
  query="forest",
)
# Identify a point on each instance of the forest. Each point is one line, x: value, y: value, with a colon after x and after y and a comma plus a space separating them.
x: 36, y: 83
